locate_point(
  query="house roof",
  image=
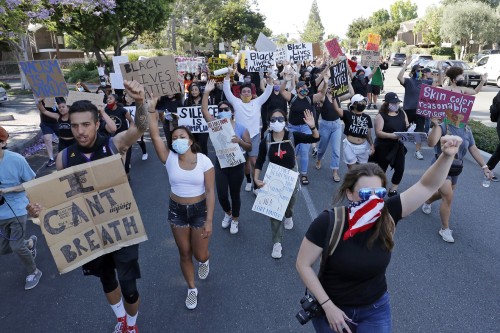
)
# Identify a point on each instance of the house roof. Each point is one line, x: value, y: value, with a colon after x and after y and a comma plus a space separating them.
x: 408, y: 26
x: 34, y: 27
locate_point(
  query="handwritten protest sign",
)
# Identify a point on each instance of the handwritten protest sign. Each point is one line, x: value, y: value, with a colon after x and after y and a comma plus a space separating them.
x: 228, y: 153
x: 45, y: 78
x: 339, y: 79
x: 264, y: 44
x: 373, y: 42
x: 158, y: 75
x: 186, y: 64
x: 441, y: 103
x: 280, y: 54
x: 299, y: 52
x: 317, y: 49
x: 333, y: 48
x: 90, y: 211
x: 417, y: 137
x: 274, y: 197
x: 260, y: 61
x: 192, y: 117
x: 370, y: 58
x: 218, y: 63
x: 96, y: 99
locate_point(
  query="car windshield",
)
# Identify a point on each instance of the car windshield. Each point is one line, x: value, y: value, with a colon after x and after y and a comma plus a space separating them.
x: 426, y: 57
x: 400, y: 55
x: 461, y: 64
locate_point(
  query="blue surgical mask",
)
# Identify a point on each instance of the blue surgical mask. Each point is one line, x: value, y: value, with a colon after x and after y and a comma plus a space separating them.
x: 361, y: 76
x: 180, y: 146
x: 224, y: 115
x: 276, y: 88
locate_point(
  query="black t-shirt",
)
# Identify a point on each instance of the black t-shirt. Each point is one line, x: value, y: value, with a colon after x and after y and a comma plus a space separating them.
x: 356, y: 125
x: 118, y: 116
x: 296, y: 116
x: 360, y: 86
x: 274, y: 102
x: 47, y: 119
x: 354, y: 275
x: 64, y: 127
x: 392, y: 124
x: 328, y: 113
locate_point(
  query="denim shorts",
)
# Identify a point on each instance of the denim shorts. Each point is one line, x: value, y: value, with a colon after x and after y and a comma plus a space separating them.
x: 187, y: 216
x: 49, y: 128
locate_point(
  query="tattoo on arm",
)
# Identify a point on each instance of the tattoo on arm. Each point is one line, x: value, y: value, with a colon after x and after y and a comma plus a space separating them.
x: 141, y: 117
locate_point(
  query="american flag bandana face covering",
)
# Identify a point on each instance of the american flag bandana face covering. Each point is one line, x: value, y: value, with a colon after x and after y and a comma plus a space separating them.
x: 363, y: 214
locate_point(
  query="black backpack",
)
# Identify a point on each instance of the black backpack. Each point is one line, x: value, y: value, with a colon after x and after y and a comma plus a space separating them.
x: 494, y: 108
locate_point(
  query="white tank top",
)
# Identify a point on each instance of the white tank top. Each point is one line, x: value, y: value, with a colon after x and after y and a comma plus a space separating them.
x: 187, y: 183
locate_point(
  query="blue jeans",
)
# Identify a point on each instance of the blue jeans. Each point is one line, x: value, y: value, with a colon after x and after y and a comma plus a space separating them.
x: 330, y: 133
x: 373, y: 318
x: 302, y: 150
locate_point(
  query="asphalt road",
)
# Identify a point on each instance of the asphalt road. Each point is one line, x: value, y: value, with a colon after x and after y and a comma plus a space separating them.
x: 434, y: 286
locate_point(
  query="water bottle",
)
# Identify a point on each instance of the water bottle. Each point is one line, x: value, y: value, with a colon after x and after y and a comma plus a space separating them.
x: 486, y: 181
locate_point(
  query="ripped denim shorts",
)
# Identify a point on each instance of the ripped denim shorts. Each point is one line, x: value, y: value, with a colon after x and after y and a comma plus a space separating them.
x: 184, y: 216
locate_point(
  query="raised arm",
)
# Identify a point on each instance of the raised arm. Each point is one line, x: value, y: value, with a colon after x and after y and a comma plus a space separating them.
x: 320, y: 95
x: 435, y: 134
x: 45, y: 112
x: 286, y: 94
x: 477, y: 90
x: 226, y: 88
x: 161, y: 149
x: 401, y: 74
x: 265, y: 95
x: 209, y: 87
x: 337, y: 108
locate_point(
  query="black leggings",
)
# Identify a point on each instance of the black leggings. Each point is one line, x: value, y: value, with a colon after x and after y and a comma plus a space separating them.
x: 381, y: 152
x: 231, y: 178
x: 142, y: 144
x: 127, y: 160
x: 202, y: 141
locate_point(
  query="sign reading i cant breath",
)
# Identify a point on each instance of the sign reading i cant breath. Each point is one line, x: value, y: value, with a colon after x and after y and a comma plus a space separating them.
x: 90, y: 211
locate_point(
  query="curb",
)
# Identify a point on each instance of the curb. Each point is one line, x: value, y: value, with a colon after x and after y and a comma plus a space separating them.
x: 19, y: 146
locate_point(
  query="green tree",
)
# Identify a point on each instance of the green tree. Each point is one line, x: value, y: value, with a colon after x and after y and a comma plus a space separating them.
x: 314, y: 30
x: 354, y: 29
x: 280, y: 39
x: 491, y: 3
x: 403, y: 10
x: 430, y: 25
x: 380, y: 17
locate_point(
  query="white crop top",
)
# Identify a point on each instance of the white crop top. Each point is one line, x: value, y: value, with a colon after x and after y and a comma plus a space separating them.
x: 187, y: 183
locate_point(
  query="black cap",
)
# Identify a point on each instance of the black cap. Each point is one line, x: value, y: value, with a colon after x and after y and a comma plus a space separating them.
x: 415, y: 67
x: 391, y: 97
x: 426, y: 70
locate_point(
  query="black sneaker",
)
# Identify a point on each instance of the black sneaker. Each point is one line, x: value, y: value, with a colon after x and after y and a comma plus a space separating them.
x: 393, y: 193
x: 50, y: 163
x: 494, y: 179
x: 375, y: 106
x: 369, y: 106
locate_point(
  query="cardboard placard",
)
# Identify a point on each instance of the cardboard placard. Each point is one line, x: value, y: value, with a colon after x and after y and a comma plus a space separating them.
x: 370, y: 58
x: 417, y: 137
x: 280, y: 54
x: 218, y: 63
x: 45, y: 78
x: 334, y: 48
x: 260, y: 61
x: 186, y: 64
x: 158, y: 75
x: 192, y: 117
x: 441, y: 103
x: 96, y: 99
x: 339, y: 79
x: 90, y: 211
x: 317, y: 49
x: 272, y: 199
x: 299, y: 52
x: 228, y: 153
x: 264, y: 44
x: 373, y: 42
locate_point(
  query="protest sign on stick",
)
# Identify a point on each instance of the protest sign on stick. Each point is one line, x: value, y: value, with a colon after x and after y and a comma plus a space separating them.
x: 317, y: 52
x: 45, y: 78
x: 96, y: 99
x: 373, y: 42
x: 339, y: 79
x: 441, y: 103
x: 370, y: 58
x: 264, y: 44
x: 417, y: 137
x: 299, y: 52
x: 333, y: 48
x: 192, y: 118
x: 228, y: 153
x: 90, y: 211
x: 158, y: 75
x: 260, y: 61
x: 272, y: 199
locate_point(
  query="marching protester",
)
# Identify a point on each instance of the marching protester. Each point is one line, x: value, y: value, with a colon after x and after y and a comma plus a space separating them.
x: 231, y: 177
x: 192, y: 199
x: 194, y: 99
x: 167, y: 109
x: 247, y: 113
x: 375, y: 84
x: 495, y: 157
x: 118, y: 270
x: 48, y: 125
x: 275, y: 101
x: 13, y: 214
x: 352, y: 287
x: 389, y: 150
x: 128, y: 101
x: 279, y: 148
x: 360, y: 81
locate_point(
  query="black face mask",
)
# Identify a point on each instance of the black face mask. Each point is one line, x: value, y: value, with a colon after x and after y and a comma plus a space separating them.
x: 360, y: 107
x: 461, y: 83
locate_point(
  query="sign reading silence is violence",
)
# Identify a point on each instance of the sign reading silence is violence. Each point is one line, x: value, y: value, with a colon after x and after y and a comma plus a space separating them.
x: 45, y: 78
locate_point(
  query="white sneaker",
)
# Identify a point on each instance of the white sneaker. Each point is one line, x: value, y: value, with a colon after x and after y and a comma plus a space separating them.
x: 248, y: 187
x: 192, y: 299
x: 203, y: 269
x: 234, y: 227
x: 418, y: 155
x: 144, y: 156
x: 288, y: 223
x: 426, y: 208
x: 256, y: 191
x: 446, y: 234
x: 226, y: 221
x: 276, y: 251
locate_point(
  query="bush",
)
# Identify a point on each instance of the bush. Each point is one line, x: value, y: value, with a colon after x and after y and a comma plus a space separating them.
x: 4, y: 85
x: 442, y: 51
x: 486, y: 137
x: 80, y: 72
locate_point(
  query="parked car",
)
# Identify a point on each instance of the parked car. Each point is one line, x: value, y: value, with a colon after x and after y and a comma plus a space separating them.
x: 439, y: 68
x: 397, y: 59
x: 490, y: 64
x: 484, y: 53
x: 3, y: 95
x: 418, y: 59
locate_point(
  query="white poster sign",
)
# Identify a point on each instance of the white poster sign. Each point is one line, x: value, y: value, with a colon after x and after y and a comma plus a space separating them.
x: 280, y: 54
x: 192, y: 118
x: 117, y: 77
x: 417, y: 137
x: 274, y: 197
x: 264, y: 44
x: 299, y: 51
x: 221, y: 133
x: 260, y: 61
x: 370, y: 58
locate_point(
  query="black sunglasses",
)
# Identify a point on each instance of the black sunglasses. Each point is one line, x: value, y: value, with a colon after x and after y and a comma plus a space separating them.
x: 277, y: 119
x: 226, y: 109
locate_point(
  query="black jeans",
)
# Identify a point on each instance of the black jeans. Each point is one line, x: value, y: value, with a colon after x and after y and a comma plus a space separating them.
x: 382, y: 151
x: 229, y: 178
x: 495, y: 158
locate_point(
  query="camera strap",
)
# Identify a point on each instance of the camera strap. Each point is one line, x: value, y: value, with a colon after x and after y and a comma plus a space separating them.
x: 335, y: 227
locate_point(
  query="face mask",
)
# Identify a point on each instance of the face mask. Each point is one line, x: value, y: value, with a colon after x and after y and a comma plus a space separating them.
x: 393, y: 107
x: 304, y: 92
x: 361, y: 76
x: 246, y: 99
x: 360, y: 107
x: 307, y: 78
x: 224, y: 115
x: 110, y: 105
x: 460, y: 83
x: 180, y: 146
x: 371, y: 208
x: 277, y: 126
x: 416, y: 75
x: 203, y: 78
x: 80, y: 89
x: 309, y: 68
x: 276, y: 88
x: 248, y: 80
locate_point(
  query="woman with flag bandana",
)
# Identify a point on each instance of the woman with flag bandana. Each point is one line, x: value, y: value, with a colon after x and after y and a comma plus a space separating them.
x: 352, y: 287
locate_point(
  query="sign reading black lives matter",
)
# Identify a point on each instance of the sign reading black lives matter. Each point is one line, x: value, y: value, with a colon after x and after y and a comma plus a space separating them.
x: 339, y: 79
x: 260, y: 61
x: 158, y: 75
x: 192, y: 118
x: 299, y: 51
x: 90, y: 211
x: 45, y: 78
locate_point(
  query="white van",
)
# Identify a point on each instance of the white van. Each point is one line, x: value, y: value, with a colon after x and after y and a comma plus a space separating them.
x: 490, y: 64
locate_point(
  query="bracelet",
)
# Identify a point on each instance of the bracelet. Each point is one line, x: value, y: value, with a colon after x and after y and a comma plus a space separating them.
x: 324, y: 302
x: 484, y: 166
x: 312, y: 128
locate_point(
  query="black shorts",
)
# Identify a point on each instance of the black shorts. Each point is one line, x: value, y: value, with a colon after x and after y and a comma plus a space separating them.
x: 49, y: 128
x: 124, y: 260
x: 374, y: 89
x: 416, y: 119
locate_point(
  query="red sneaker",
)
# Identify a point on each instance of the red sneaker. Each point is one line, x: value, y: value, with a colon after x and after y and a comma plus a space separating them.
x: 132, y: 329
x: 121, y: 325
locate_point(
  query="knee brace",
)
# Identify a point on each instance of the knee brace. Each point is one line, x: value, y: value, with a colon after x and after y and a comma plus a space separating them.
x: 129, y: 291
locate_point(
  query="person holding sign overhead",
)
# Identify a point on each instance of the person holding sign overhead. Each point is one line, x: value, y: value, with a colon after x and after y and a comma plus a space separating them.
x: 192, y: 199
x: 230, y: 177
x: 194, y: 99
x: 118, y: 270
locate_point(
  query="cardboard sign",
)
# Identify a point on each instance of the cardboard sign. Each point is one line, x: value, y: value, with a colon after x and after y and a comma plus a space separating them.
x: 260, y: 61
x: 417, y: 137
x: 339, y: 79
x: 373, y: 42
x: 370, y: 58
x: 264, y: 44
x: 45, y: 78
x: 186, y: 64
x: 96, y: 99
x: 228, y: 153
x: 116, y: 80
x: 158, y: 75
x: 299, y: 52
x: 333, y: 48
x: 441, y: 103
x: 90, y: 212
x: 280, y: 54
x: 274, y: 197
x: 218, y: 63
x: 192, y: 117
x: 317, y: 49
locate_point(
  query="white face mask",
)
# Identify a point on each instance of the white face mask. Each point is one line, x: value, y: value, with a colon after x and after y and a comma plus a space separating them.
x: 277, y: 126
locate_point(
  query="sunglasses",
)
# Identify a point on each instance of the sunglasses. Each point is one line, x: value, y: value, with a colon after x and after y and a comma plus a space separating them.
x: 418, y: 71
x: 365, y: 193
x: 277, y: 119
x: 226, y: 109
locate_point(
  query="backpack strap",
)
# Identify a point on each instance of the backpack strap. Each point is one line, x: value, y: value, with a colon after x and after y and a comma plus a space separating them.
x: 335, y: 227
